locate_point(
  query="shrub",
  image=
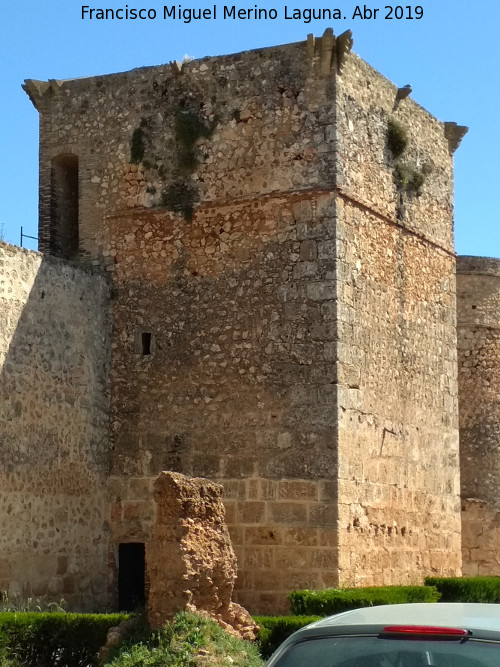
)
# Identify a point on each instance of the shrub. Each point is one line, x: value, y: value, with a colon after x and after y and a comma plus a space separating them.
x: 466, y: 589
x: 179, y: 197
x: 408, y: 178
x: 333, y: 601
x: 189, y: 127
x: 53, y: 639
x: 275, y: 629
x: 397, y: 139
x: 189, y: 640
x: 137, y: 147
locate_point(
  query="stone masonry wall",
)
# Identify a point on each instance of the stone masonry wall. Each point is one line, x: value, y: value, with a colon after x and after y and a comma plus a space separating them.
x: 478, y: 308
x: 54, y: 368
x: 236, y: 387
x: 239, y: 310
x: 267, y: 275
x: 399, y: 506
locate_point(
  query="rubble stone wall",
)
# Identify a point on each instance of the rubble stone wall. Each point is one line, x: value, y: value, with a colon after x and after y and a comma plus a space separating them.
x: 478, y: 307
x: 237, y: 304
x: 54, y: 370
x: 399, y: 504
x: 246, y: 350
x: 266, y: 275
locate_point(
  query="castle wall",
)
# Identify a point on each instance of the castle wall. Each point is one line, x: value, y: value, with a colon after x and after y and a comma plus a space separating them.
x: 399, y: 506
x: 478, y: 307
x: 283, y: 313
x: 54, y: 366
x: 238, y: 385
x: 234, y: 306
x: 270, y: 94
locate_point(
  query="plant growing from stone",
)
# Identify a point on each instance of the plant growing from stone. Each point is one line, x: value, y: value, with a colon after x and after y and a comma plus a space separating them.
x: 397, y: 138
x: 137, y: 143
x: 408, y: 179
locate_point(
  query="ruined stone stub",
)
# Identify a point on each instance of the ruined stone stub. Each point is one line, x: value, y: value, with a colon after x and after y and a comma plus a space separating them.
x: 190, y: 562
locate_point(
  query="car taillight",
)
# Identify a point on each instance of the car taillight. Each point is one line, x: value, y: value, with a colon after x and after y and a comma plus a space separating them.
x: 424, y: 630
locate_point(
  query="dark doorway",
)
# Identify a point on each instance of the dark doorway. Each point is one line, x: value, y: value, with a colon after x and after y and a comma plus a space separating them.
x: 131, y: 576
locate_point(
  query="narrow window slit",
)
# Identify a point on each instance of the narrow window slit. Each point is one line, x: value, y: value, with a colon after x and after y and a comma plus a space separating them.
x: 146, y: 343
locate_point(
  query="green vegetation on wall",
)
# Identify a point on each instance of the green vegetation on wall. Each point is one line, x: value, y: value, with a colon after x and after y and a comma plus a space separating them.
x: 397, y: 139
x: 180, y: 194
x: 179, y: 197
x: 189, y: 127
x: 137, y: 143
x: 408, y: 179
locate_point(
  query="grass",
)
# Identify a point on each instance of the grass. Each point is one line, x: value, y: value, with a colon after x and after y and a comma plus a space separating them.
x: 189, y: 641
x: 16, y: 603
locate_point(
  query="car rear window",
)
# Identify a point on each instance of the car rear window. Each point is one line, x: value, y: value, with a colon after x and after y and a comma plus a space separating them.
x: 388, y: 652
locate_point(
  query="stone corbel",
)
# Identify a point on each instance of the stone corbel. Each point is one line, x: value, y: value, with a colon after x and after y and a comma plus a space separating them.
x: 40, y: 91
x: 344, y: 46
x: 401, y: 94
x: 327, y: 42
x: 454, y: 133
x: 310, y: 46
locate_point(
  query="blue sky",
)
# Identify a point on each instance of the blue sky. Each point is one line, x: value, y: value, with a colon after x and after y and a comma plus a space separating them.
x: 451, y: 58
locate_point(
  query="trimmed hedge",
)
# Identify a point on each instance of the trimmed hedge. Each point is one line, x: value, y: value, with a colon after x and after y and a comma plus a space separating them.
x: 44, y: 639
x: 275, y: 629
x: 333, y: 601
x: 466, y: 589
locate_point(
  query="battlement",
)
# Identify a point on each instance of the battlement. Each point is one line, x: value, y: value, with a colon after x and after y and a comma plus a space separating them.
x: 488, y: 266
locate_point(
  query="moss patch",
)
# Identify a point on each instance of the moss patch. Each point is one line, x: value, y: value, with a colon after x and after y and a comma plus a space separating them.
x: 137, y: 146
x: 179, y: 197
x: 189, y: 127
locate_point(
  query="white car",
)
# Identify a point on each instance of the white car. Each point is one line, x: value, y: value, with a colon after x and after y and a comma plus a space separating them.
x: 401, y: 635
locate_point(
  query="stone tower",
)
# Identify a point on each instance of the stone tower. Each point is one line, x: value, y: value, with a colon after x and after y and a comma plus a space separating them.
x: 277, y: 229
x: 478, y: 307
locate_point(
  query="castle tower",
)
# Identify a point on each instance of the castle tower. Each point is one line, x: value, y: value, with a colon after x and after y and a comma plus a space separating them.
x: 277, y: 227
x: 478, y: 301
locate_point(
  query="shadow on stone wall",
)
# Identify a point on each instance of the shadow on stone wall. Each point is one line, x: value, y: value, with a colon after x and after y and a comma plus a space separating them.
x: 54, y: 359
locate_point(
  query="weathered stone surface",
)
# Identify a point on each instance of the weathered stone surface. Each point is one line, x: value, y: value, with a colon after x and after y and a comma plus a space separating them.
x: 115, y: 636
x: 283, y: 312
x: 190, y: 562
x: 55, y: 353
x: 478, y: 315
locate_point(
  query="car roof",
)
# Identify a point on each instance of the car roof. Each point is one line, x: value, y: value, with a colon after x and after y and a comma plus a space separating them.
x: 483, y: 620
x: 467, y: 615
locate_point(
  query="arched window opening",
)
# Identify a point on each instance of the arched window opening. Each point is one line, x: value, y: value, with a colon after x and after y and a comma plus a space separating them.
x: 64, y: 206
